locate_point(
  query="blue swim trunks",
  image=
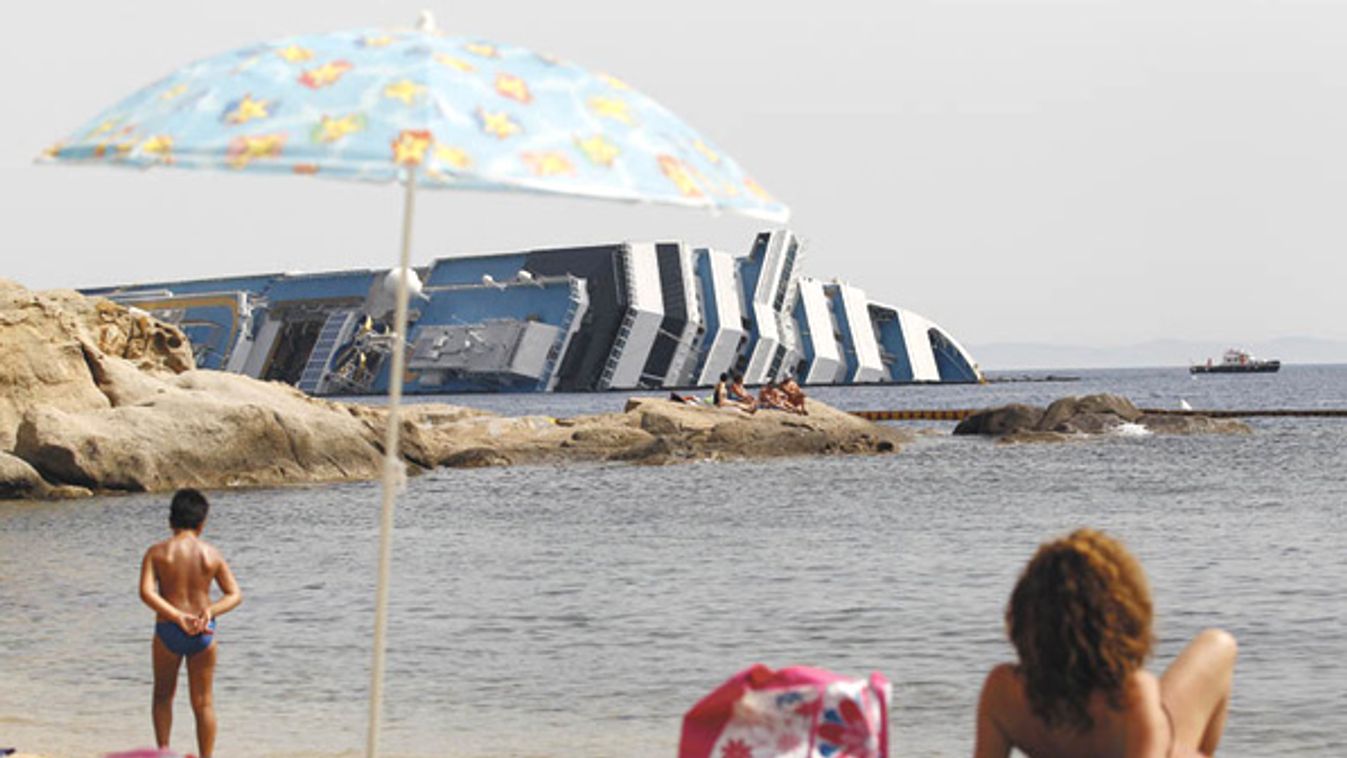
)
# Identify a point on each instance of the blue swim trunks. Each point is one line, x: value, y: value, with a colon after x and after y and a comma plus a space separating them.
x: 180, y: 642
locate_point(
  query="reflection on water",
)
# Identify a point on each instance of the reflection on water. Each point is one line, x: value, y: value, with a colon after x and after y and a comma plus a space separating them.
x: 579, y: 611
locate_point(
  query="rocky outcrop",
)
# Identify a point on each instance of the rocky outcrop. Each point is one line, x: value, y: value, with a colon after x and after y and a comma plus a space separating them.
x: 95, y: 396
x: 18, y: 480
x: 1071, y: 417
x: 48, y: 338
x: 649, y: 431
x: 201, y: 429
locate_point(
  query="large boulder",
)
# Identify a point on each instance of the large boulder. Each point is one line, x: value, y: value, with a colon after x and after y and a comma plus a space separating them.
x: 1175, y: 423
x: 1071, y: 417
x: 1006, y: 419
x: 20, y: 481
x: 47, y: 340
x: 1091, y: 414
x: 701, y: 431
x: 201, y: 429
x: 650, y: 431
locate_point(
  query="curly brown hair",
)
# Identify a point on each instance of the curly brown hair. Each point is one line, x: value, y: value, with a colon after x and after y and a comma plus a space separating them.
x: 1080, y: 619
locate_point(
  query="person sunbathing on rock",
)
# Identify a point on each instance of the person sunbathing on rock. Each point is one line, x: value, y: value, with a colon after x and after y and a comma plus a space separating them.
x: 175, y: 580
x: 720, y: 396
x: 1080, y: 620
x: 794, y: 396
x: 726, y: 396
x: 737, y: 390
x: 771, y: 398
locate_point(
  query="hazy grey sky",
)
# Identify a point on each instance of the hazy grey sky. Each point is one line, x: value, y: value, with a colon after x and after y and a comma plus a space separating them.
x: 1074, y: 172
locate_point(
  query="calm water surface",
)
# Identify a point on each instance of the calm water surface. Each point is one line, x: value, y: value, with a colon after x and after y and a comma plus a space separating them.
x: 579, y: 611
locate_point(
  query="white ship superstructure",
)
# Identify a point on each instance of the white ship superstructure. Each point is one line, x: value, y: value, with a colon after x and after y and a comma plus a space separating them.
x: 617, y: 316
x: 820, y: 336
x: 640, y: 325
x: 771, y: 270
x: 851, y: 309
x: 723, y: 309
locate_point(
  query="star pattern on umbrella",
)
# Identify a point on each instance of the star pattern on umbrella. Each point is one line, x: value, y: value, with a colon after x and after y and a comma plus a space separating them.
x: 325, y: 75
x: 482, y: 49
x: 409, y: 149
x: 457, y: 64
x: 511, y: 86
x: 548, y: 164
x: 159, y: 145
x: 598, y: 150
x: 611, y: 107
x: 295, y: 54
x: 452, y: 156
x: 331, y: 129
x: 405, y: 90
x: 246, y: 109
x: 498, y: 124
x: 244, y: 150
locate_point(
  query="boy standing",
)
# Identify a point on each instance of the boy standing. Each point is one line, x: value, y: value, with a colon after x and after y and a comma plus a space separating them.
x: 175, y: 580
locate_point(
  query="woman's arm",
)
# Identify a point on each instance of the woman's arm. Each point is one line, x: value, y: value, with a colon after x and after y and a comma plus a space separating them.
x: 1147, y: 732
x: 991, y: 741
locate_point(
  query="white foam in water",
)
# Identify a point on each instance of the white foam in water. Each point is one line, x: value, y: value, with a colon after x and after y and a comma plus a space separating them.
x: 1130, y: 429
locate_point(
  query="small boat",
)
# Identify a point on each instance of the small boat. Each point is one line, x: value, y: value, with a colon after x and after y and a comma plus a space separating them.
x: 1236, y: 362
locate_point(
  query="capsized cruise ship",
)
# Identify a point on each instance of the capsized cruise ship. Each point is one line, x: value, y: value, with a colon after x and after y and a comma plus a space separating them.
x: 617, y: 316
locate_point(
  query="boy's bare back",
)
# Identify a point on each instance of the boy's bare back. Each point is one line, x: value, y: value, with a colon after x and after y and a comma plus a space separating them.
x: 184, y: 566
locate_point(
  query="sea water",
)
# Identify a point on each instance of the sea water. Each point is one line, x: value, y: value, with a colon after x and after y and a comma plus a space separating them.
x: 579, y: 610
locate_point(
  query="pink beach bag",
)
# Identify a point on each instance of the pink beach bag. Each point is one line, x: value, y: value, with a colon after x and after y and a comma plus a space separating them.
x: 795, y: 712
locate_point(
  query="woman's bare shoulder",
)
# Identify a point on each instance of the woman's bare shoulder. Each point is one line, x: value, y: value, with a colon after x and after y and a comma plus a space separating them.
x: 1003, y: 692
x: 1141, y: 689
x: 1004, y: 675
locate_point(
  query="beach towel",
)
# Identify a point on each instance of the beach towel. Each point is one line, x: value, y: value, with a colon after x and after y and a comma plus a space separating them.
x: 795, y: 712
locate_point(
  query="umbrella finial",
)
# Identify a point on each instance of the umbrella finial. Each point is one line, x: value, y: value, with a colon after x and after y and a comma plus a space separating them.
x: 426, y: 21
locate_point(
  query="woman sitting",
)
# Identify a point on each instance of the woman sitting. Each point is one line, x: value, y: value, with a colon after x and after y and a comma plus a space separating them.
x: 771, y: 398
x: 794, y: 396
x: 1080, y: 620
x: 724, y: 396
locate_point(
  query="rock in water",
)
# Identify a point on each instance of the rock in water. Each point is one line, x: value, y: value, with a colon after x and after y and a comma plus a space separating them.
x: 20, y: 481
x: 1088, y: 415
x: 1003, y: 420
x: 202, y: 429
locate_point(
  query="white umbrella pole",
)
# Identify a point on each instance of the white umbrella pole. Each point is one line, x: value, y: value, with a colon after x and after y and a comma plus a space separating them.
x: 394, y: 469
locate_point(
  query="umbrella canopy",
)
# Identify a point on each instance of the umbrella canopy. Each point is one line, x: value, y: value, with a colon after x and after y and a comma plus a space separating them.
x: 463, y: 112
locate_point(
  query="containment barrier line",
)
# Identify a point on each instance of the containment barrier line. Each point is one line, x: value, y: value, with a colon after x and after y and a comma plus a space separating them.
x: 1266, y: 412
x: 959, y: 414
x: 944, y: 414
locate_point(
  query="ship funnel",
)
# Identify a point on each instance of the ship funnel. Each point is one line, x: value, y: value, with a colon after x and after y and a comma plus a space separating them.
x: 384, y: 293
x: 390, y: 284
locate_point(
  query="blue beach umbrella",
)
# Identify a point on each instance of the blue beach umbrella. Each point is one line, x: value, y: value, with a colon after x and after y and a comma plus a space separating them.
x: 427, y: 110
x: 449, y: 112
